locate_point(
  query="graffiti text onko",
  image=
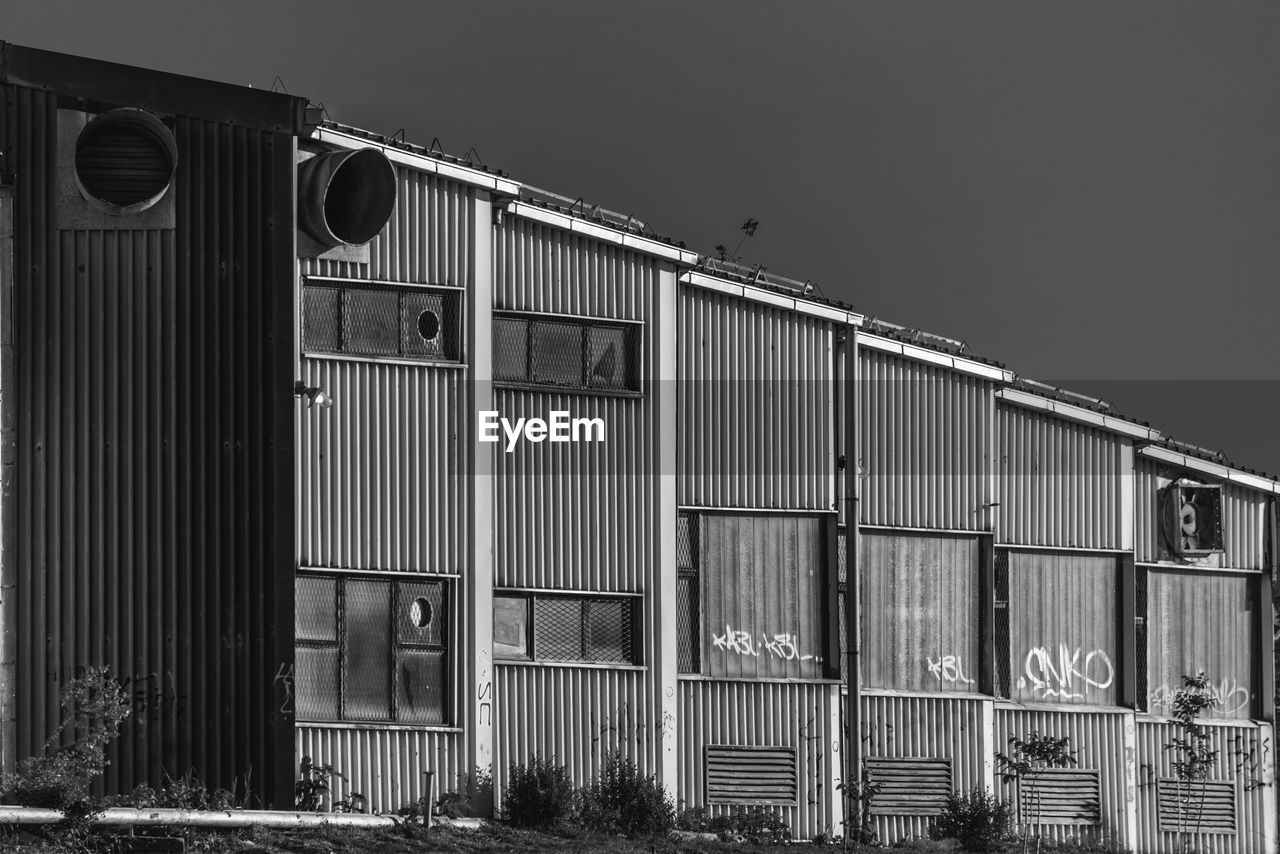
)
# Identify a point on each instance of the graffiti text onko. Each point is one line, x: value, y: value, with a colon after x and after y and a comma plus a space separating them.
x: 1066, y: 675
x: 782, y: 646
x: 1230, y: 694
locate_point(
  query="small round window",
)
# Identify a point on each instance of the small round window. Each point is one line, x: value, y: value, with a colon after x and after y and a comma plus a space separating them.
x: 428, y: 325
x: 420, y: 613
x: 125, y: 160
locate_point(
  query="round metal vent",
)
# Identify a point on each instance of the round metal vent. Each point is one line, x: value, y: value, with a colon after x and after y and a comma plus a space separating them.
x: 125, y: 160
x: 346, y: 197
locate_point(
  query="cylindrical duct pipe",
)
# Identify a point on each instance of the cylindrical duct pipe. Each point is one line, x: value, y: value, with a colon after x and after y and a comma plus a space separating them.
x: 125, y: 160
x: 346, y: 197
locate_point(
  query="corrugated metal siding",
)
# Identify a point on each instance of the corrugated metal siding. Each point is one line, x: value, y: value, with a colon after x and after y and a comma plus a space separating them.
x: 1202, y: 621
x: 924, y: 445
x: 763, y: 585
x: 429, y: 239
x: 382, y: 476
x: 930, y: 727
x: 386, y: 766
x: 1240, y: 758
x: 1098, y: 739
x: 1243, y: 520
x: 756, y: 422
x: 1062, y: 628
x: 917, y: 634
x: 152, y: 457
x: 1059, y: 481
x: 763, y: 715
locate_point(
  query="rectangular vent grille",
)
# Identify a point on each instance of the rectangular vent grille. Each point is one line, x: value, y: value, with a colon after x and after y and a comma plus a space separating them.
x: 1062, y: 796
x: 751, y: 775
x: 1181, y: 809
x: 909, y: 786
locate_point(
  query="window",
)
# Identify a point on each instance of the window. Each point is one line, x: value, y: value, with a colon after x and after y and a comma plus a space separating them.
x: 538, y: 627
x: 568, y: 353
x: 688, y: 610
x: 370, y: 649
x: 359, y: 319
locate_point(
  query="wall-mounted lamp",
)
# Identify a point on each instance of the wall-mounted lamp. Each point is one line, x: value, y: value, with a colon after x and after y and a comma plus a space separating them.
x: 315, y: 395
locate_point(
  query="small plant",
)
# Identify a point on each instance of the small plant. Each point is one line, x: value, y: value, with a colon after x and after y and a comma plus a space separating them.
x: 623, y: 800
x: 757, y: 825
x: 538, y: 794
x: 1026, y: 763
x: 313, y: 786
x: 859, y: 796
x: 978, y: 820
x: 1191, y: 747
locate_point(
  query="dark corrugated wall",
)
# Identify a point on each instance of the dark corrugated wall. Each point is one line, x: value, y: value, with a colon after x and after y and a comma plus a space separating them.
x: 154, y: 489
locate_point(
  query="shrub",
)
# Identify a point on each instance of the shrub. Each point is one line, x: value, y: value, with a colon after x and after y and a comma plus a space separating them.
x: 757, y: 825
x: 622, y: 800
x: 538, y: 794
x: 978, y: 820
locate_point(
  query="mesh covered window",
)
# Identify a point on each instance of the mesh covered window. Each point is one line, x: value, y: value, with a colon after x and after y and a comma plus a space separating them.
x: 688, y: 610
x: 596, y: 629
x: 382, y: 321
x: 565, y: 353
x: 371, y: 649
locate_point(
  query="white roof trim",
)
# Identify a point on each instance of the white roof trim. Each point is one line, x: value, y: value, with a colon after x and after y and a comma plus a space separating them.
x: 1252, y: 481
x: 923, y: 354
x: 1083, y: 415
x: 421, y: 162
x: 790, y: 303
x: 603, y: 233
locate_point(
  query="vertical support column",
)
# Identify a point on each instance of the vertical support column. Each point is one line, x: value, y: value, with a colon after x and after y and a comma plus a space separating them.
x: 478, y: 611
x: 987, y: 614
x: 1126, y: 634
x: 665, y: 668
x: 1127, y: 477
x: 1126, y: 637
x: 1267, y: 777
x: 852, y: 606
x: 989, y: 745
x: 1265, y: 678
x: 1130, y: 838
x: 8, y: 585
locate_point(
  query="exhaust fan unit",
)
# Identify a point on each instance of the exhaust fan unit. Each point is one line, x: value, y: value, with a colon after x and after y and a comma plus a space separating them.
x: 345, y: 197
x: 124, y: 161
x: 1193, y: 518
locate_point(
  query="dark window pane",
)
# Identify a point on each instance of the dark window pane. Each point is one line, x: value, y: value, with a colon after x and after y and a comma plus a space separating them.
x: 557, y: 628
x: 316, y: 683
x: 426, y: 325
x: 686, y: 554
x: 316, y: 609
x: 688, y: 646
x: 608, y: 628
x: 608, y: 357
x: 420, y: 614
x: 510, y: 627
x: 367, y: 662
x: 556, y: 353
x: 371, y: 322
x: 320, y: 318
x: 420, y: 686
x: 510, y: 349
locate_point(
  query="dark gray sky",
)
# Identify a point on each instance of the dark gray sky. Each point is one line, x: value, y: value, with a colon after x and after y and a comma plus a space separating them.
x: 1087, y: 191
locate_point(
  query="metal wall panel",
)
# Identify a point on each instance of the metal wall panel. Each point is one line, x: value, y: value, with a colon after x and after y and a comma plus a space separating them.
x: 1202, y: 621
x: 1062, y: 627
x: 924, y: 445
x: 1098, y: 739
x: 1242, y: 757
x: 1059, y: 482
x: 759, y: 715
x: 153, y: 454
x: 930, y: 727
x: 756, y: 426
x: 1243, y: 520
x: 385, y: 765
x: 383, y: 474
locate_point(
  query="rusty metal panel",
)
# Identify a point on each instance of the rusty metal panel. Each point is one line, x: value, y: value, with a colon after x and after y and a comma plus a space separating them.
x: 1059, y: 482
x: 1098, y: 739
x: 756, y: 425
x: 381, y: 476
x: 154, y: 448
x: 1243, y: 520
x: 919, y: 611
x: 924, y: 445
x: 1242, y: 756
x: 795, y: 715
x: 1202, y: 621
x: 1062, y: 627
x: 928, y: 728
x: 385, y: 765
x: 762, y: 582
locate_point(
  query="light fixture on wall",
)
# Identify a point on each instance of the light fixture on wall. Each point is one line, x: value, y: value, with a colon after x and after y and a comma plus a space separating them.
x: 315, y: 395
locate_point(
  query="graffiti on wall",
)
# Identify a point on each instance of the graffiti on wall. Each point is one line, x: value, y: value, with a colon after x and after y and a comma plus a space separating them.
x: 1066, y: 674
x: 948, y: 669
x: 739, y: 642
x: 1232, y: 697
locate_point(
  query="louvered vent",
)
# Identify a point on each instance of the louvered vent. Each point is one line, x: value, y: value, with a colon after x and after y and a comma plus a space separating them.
x: 1062, y: 796
x: 751, y: 775
x: 125, y: 159
x: 909, y: 786
x: 1197, y: 806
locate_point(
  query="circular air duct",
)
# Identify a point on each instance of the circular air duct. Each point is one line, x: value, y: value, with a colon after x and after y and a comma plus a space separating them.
x: 125, y: 160
x: 346, y: 197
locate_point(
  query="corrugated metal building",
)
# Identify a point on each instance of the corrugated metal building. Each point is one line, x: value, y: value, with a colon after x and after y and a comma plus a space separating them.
x: 252, y: 365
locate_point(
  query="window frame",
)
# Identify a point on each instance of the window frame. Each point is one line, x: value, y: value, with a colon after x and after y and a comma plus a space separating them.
x: 451, y: 325
x: 634, y: 342
x: 632, y: 601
